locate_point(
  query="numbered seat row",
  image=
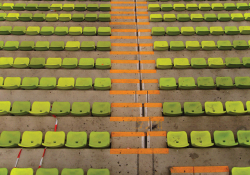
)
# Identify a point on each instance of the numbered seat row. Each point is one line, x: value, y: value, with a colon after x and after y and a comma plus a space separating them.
x: 200, y: 6
x: 187, y: 83
x: 179, y: 139
x: 222, y: 17
x: 55, y: 45
x: 64, y: 83
x: 212, y: 108
x: 53, y: 17
x: 205, y: 45
x: 55, y: 63
x: 49, y: 30
x: 42, y: 108
x: 187, y: 31
x: 54, y: 139
x: 56, y: 7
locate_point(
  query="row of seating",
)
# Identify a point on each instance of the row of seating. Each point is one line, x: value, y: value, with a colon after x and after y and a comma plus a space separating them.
x: 205, y: 45
x: 55, y: 63
x: 56, y: 7
x: 55, y: 45
x: 50, y: 30
x: 223, y: 17
x: 179, y: 139
x: 53, y: 17
x: 187, y: 31
x: 200, y: 63
x: 54, y: 171
x: 99, y: 109
x: 195, y: 7
x: 211, y: 108
x: 32, y: 139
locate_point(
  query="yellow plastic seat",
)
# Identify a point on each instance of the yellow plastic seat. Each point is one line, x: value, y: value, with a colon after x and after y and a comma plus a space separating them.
x: 40, y: 108
x: 31, y: 139
x: 54, y: 139
x: 66, y: 83
x: 22, y: 171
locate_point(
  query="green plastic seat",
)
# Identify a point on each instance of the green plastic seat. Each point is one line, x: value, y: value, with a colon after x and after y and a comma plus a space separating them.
x: 21, y: 171
x: 231, y: 30
x: 172, y: 109
x: 246, y: 16
x: 166, y: 7
x: 196, y: 17
x: 57, y: 45
x: 240, y: 170
x: 167, y: 83
x: 154, y: 7
x: 66, y: 83
x: 5, y: 30
x: 210, y: 17
x: 181, y: 63
x: 3, y: 16
x: 88, y: 46
x: 193, y: 108
x: 38, y: 17
x: 205, y: 83
x: 7, y: 6
x: 40, y: 107
x: 6, y: 62
x: 61, y: 31
x: 105, y: 7
x: 21, y: 62
x: 104, y: 17
x: 27, y: 46
x: 31, y: 139
x: 240, y: 45
x: 229, y: 6
x: 92, y: 7
x: 47, y: 83
x: 43, y: 7
x: 99, y: 139
x: 242, y: 6
x: 186, y: 83
x: 224, y: 45
x: 245, y: 60
x: 164, y: 63
x: 92, y: 171
x: 158, y: 31
x: 9, y: 139
x: 53, y: 63
x: 31, y: 7
x: 204, y: 7
x: 80, y: 7
x: 198, y: 63
x: 20, y: 108
x: 5, y: 107
x: 30, y: 83
x: 183, y: 17
x: 37, y: 63
x: 179, y: 7
x: 193, y: 45
x: 177, y: 139
x: 18, y: 30
x: 177, y: 45
x: 51, y: 17
x: 76, y: 140
x: 91, y: 17
x: 12, y: 83
x: 11, y: 45
x: 86, y: 63
x: 33, y: 30
x: 237, y: 17
x: 173, y: 31
x: 77, y: 171
x: 208, y: 45
x: 216, y: 63
x: 77, y: 17
x: 224, y: 82
x: 54, y: 139
x: 224, y: 138
x: 244, y: 30
x: 242, y: 82
x: 64, y: 17
x: 214, y: 108
x: 187, y: 31
x: 243, y: 137
x: 202, y: 31
x: 101, y: 109
x: 68, y: 7
x: 89, y: 31
x: 42, y: 46
x: 103, y: 46
x: 83, y: 83
x: 169, y: 17
x: 102, y: 84
x: 47, y: 30
x: 201, y: 139
x: 235, y: 108
x: 160, y: 45
x: 192, y: 7
x: 233, y: 62
x: 80, y: 109
x: 155, y: 18
x: 105, y: 31
x: 218, y: 30
x: 69, y: 63
x: 56, y: 7
x: 217, y: 6
x: 103, y: 63
x: 72, y: 45
x: 224, y: 17
x: 47, y: 171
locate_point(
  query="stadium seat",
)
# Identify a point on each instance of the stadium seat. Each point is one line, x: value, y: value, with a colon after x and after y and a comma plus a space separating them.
x: 69, y: 63
x: 242, y: 82
x: 237, y: 17
x: 173, y: 31
x: 233, y: 62
x: 224, y: 138
x: 72, y: 45
x: 246, y: 16
x: 38, y: 17
x: 5, y: 107
x: 218, y: 30
x: 37, y: 63
x: 210, y: 17
x: 77, y: 171
x: 208, y: 45
x: 6, y: 62
x: 7, y: 6
x: 240, y: 45
x: 43, y: 7
x: 40, y: 107
x: 224, y: 82
x: 187, y: 31
x: 18, y: 171
x: 31, y: 7
x: 83, y: 83
x: 42, y: 46
x: 106, y: 31
x: 56, y: 7
x: 245, y: 60
x: 54, y: 139
x: 229, y: 6
x: 3, y: 16
x: 81, y: 108
x: 193, y: 45
x: 31, y: 139
x: 76, y: 139
x: 47, y: 83
x: 80, y: 7
x: 216, y: 63
x: 177, y: 45
x: 186, y: 83
x: 164, y: 63
x: 217, y: 6
x: 204, y: 7
x: 92, y: 171
x: 167, y: 83
x: 86, y: 63
x: 60, y: 108
x: 5, y: 30
x: 18, y: 30
x: 104, y: 17
x: 242, y: 6
x: 243, y: 137
x: 214, y: 108
x: 166, y: 7
x: 192, y: 7
x: 33, y: 30
x: 57, y: 45
x: 205, y: 83
x: 160, y: 45
x: 88, y: 46
x: 172, y: 109
x: 235, y: 108
x: 64, y: 17
x: 12, y: 83
x: 224, y: 45
x: 231, y: 30
x: 91, y: 17
x: 103, y: 63
x: 101, y: 109
x: 75, y: 31
x: 11, y: 45
x: 198, y: 63
x: 99, y: 139
x: 30, y: 83
x: 201, y: 139
x: 183, y: 17
x: 169, y: 17
x: 9, y: 139
x: 179, y: 7
x: 196, y: 17
x: 240, y: 170
x: 102, y: 84
x: 27, y: 46
x: 61, y: 31
x: 66, y: 83
x: 25, y: 17
x: 154, y: 7
x: 92, y: 7
x: 181, y: 63
x: 53, y: 63
x: 156, y: 31
x: 177, y: 139
x: 244, y: 30
x: 47, y: 171
x: 51, y: 17
x: 77, y: 17
x: 224, y: 17
x: 68, y: 7
x: 193, y: 108
x: 89, y: 31
x: 155, y: 18
x: 4, y: 171
x: 103, y: 46
x: 20, y: 108
x: 202, y: 31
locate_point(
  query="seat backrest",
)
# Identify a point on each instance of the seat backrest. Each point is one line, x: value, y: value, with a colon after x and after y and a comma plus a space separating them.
x: 22, y: 171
